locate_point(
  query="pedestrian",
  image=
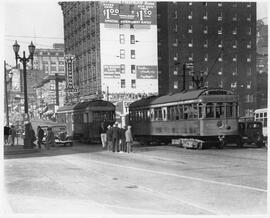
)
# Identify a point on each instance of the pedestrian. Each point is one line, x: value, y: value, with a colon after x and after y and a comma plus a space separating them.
x: 6, y: 134
x: 32, y: 135
x: 122, y: 141
x: 12, y: 135
x: 40, y: 134
x: 102, y: 132
x: 129, y: 139
x: 115, y: 137
x: 50, y: 138
x: 109, y: 138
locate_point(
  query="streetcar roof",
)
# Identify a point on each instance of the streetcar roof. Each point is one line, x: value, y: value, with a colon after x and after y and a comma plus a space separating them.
x: 83, y: 105
x: 180, y: 96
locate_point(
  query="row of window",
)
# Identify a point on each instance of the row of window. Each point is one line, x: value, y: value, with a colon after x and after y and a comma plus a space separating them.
x: 220, y: 59
x: 185, y: 112
x: 205, y: 16
x: 220, y: 4
x: 123, y: 68
x: 122, y: 39
x: 123, y: 83
x: 123, y: 54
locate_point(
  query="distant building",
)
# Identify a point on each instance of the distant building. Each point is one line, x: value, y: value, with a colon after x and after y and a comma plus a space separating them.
x: 217, y: 38
x: 48, y: 78
x: 262, y: 64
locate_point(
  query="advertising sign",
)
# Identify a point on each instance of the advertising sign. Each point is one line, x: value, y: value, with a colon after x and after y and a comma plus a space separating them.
x: 111, y: 71
x: 147, y: 72
x: 69, y: 73
x: 137, y: 13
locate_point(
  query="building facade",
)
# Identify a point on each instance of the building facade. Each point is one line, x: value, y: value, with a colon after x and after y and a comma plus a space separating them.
x: 215, y: 41
x: 114, y: 45
x: 262, y: 64
x: 49, y: 78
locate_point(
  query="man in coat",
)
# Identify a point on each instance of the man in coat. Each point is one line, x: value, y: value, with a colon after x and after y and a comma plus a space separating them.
x: 115, y: 137
x: 129, y: 139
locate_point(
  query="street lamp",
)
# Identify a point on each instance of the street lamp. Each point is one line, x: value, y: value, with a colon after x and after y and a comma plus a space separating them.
x: 24, y: 61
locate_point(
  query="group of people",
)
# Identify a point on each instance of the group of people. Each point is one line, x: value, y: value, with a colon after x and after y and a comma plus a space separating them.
x: 116, y: 139
x: 50, y: 138
x: 9, y: 135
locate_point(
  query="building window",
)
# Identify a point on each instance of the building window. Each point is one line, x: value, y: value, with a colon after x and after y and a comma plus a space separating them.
x: 133, y: 83
x: 205, y: 29
x: 204, y: 3
x: 131, y: 26
x: 133, y: 69
x: 220, y: 59
x: 206, y: 57
x: 248, y: 5
x: 175, y: 14
x: 235, y: 44
x: 249, y: 58
x: 249, y: 44
x: 175, y: 29
x: 249, y: 17
x: 220, y: 72
x: 122, y: 68
x: 249, y: 31
x: 132, y: 54
x: 249, y: 71
x: 122, y: 39
x: 220, y: 30
x: 175, y: 44
x: 220, y: 44
x: 190, y: 3
x: 123, y: 83
x: 234, y: 5
x: 132, y: 39
x: 234, y: 85
x: 205, y: 15
x: 219, y: 4
x: 235, y: 58
x: 234, y: 32
x: 53, y: 68
x: 249, y: 98
x: 175, y: 84
x: 249, y: 85
x: 190, y: 15
x: 190, y: 43
x: 122, y: 53
x: 190, y: 29
x: 175, y: 72
x: 234, y: 17
x: 220, y: 16
x: 190, y: 58
x: 175, y: 58
x: 205, y: 45
x: 220, y: 84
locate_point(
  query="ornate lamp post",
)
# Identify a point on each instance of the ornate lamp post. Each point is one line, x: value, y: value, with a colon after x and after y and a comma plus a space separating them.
x: 24, y: 61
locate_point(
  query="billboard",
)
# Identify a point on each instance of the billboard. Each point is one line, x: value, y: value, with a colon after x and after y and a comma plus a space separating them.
x: 147, y: 72
x: 69, y: 73
x: 137, y: 13
x: 111, y: 71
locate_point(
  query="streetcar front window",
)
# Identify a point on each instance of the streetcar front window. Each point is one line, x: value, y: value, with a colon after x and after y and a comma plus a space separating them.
x: 209, y: 110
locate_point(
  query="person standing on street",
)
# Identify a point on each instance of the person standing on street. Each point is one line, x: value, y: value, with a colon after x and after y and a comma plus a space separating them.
x: 109, y: 138
x: 40, y: 133
x: 122, y: 141
x: 50, y: 139
x: 115, y: 137
x: 129, y: 139
x: 102, y: 132
x: 6, y: 134
x: 12, y: 133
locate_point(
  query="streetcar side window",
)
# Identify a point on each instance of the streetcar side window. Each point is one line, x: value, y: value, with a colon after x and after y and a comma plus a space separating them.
x: 201, y: 110
x: 229, y: 110
x: 181, y: 111
x: 209, y: 110
x: 220, y: 110
x: 186, y: 109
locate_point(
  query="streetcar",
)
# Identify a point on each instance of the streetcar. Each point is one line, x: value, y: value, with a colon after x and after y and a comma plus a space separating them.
x: 208, y: 114
x: 84, y: 119
x: 261, y: 116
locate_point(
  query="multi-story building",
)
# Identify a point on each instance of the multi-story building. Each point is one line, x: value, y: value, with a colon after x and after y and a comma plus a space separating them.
x: 49, y: 77
x: 115, y: 48
x: 215, y: 40
x: 262, y: 64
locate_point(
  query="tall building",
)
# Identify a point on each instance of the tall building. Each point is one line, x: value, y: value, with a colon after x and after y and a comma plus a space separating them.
x: 115, y: 48
x: 262, y: 64
x: 215, y: 40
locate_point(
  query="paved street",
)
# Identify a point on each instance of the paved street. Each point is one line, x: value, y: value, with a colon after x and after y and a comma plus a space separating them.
x: 153, y: 180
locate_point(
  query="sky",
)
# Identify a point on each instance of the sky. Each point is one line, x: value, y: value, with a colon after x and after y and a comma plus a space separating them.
x: 41, y: 21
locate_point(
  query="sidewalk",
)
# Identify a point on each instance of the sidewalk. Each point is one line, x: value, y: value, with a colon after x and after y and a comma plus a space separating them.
x: 18, y: 148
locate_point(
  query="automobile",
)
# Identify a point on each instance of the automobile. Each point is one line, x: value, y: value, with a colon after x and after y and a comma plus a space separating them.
x: 251, y: 132
x: 60, y: 133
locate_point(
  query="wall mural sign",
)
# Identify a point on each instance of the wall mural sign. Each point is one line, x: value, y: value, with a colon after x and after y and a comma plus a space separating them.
x: 111, y: 71
x: 137, y: 13
x: 147, y: 72
x: 69, y: 73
